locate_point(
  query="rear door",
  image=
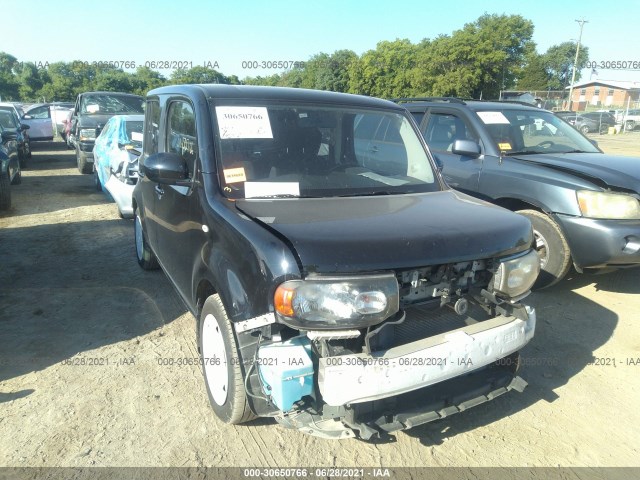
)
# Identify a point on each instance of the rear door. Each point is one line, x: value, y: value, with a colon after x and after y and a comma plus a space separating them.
x: 39, y: 121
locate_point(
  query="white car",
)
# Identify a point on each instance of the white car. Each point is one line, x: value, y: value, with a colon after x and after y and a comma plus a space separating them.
x: 38, y: 117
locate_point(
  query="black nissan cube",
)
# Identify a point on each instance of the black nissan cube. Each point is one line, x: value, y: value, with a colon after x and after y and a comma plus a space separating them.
x: 338, y: 284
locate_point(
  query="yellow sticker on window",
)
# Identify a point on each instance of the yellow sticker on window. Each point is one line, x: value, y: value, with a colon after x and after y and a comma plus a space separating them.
x: 234, y: 175
x: 504, y: 146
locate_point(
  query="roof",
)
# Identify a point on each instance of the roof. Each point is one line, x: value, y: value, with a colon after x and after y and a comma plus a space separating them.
x: 473, y: 104
x: 276, y: 93
x: 621, y: 84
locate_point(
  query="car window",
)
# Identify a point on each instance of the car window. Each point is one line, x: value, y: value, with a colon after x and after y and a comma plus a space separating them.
x: 418, y: 116
x: 151, y: 129
x: 300, y: 150
x: 7, y: 119
x: 443, y: 129
x: 107, y: 131
x: 533, y: 131
x: 40, y: 112
x: 110, y: 104
x: 181, y: 132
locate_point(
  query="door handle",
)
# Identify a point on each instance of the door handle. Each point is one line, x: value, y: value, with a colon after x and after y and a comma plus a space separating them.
x: 159, y: 190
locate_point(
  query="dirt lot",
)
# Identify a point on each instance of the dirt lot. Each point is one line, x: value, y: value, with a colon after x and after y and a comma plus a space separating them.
x: 86, y: 335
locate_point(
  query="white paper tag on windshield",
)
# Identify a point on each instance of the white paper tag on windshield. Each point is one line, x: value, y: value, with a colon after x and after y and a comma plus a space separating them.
x: 243, y: 122
x: 493, y: 117
x: 93, y: 108
x: 136, y: 136
x: 271, y: 189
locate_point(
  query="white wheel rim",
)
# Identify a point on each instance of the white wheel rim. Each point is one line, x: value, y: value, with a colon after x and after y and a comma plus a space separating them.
x: 215, y: 359
x: 542, y: 248
x: 139, y: 239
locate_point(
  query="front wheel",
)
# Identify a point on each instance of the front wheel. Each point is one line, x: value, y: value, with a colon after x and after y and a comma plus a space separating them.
x: 552, y: 249
x: 5, y: 192
x: 146, y: 258
x: 220, y: 364
x: 584, y: 129
x: 96, y: 179
x: 83, y: 165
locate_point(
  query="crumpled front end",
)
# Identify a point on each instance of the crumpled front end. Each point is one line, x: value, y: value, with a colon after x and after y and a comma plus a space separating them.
x: 452, y: 343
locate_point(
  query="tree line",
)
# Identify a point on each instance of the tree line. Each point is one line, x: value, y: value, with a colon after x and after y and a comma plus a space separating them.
x: 493, y: 53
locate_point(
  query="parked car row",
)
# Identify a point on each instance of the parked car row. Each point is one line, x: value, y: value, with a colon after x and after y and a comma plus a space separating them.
x: 589, y: 122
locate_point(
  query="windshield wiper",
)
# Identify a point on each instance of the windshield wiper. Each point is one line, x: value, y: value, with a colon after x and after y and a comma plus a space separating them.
x: 524, y: 152
x: 369, y: 194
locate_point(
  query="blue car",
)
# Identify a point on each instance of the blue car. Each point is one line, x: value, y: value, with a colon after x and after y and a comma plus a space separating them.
x: 116, y: 153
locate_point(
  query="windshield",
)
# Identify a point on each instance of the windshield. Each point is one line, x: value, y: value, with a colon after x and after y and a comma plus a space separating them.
x: 518, y: 132
x: 271, y: 151
x: 7, y: 120
x: 111, y: 104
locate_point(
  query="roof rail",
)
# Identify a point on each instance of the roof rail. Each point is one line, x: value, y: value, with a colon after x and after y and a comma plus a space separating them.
x: 428, y: 99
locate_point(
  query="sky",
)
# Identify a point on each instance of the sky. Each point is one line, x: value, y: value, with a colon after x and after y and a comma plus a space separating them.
x: 231, y: 35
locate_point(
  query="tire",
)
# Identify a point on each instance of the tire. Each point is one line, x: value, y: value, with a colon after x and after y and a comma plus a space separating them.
x: 22, y: 157
x: 28, y: 147
x: 83, y: 166
x: 96, y: 179
x: 5, y: 192
x: 17, y: 178
x: 552, y: 248
x: 146, y: 258
x: 584, y: 129
x: 224, y: 379
x: 629, y: 125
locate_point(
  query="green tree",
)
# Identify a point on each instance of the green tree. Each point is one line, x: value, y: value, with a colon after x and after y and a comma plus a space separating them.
x: 534, y: 75
x: 112, y: 80
x: 197, y: 75
x: 384, y: 72
x: 481, y: 59
x: 145, y: 79
x: 31, y: 80
x: 559, y: 60
x: 9, y: 84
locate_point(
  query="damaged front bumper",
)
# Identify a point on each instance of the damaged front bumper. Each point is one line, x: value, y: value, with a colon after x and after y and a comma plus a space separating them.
x: 364, y: 377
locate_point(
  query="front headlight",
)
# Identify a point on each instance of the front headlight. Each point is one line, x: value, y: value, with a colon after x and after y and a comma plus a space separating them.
x: 516, y: 276
x: 87, y: 134
x: 608, y: 205
x: 337, y: 302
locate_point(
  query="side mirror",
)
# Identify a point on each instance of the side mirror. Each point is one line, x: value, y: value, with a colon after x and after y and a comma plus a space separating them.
x: 467, y: 148
x: 167, y: 169
x: 24, y: 127
x: 439, y: 164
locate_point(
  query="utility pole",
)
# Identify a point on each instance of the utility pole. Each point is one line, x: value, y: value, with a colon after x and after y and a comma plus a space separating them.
x: 575, y: 63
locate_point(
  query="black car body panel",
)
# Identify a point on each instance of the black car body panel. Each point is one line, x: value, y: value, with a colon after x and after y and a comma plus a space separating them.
x: 322, y: 230
x: 205, y: 153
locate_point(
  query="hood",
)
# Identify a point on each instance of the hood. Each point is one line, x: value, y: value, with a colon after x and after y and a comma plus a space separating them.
x: 615, y: 171
x: 93, y: 120
x: 358, y: 234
